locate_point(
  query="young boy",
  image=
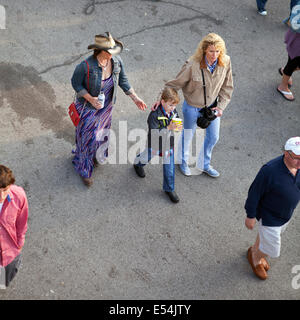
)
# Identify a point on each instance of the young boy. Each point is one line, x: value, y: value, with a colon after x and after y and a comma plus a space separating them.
x: 161, y: 140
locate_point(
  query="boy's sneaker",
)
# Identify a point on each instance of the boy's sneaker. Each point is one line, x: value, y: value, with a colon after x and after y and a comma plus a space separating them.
x: 185, y: 170
x: 262, y: 12
x: 211, y: 172
x: 173, y: 196
x: 139, y: 171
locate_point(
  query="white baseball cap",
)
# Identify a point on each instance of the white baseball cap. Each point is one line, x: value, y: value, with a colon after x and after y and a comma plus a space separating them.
x: 293, y: 144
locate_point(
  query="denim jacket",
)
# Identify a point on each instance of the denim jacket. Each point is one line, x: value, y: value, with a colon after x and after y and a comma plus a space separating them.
x: 79, y: 79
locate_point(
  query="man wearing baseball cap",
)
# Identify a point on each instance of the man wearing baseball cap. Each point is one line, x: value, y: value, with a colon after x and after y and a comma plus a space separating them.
x: 272, y: 199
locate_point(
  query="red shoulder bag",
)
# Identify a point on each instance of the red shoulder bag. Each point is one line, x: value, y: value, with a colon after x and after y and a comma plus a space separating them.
x: 73, y: 113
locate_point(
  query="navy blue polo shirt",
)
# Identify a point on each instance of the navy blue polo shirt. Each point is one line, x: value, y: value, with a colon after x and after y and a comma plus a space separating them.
x: 274, y: 194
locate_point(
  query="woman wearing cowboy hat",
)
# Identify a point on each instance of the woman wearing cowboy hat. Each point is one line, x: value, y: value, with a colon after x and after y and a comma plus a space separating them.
x: 101, y: 72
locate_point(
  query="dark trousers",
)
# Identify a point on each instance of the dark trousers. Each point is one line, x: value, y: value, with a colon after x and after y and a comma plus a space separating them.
x: 291, y: 66
x: 12, y: 269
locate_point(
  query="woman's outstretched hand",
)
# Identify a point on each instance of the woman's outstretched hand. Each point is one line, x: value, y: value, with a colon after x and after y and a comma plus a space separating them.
x: 139, y: 102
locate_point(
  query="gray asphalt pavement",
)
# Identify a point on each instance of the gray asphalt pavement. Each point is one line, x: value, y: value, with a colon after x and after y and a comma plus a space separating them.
x: 122, y: 238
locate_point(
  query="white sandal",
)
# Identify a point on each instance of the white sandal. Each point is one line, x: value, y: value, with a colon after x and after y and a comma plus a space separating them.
x: 286, y: 93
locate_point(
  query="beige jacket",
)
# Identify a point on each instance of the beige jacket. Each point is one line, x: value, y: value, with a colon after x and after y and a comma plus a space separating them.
x: 219, y: 84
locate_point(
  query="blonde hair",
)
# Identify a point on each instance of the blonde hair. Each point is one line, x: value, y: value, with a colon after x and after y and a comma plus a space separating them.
x: 170, y: 94
x: 212, y: 39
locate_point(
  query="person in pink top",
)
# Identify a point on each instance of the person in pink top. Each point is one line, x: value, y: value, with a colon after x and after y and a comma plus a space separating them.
x: 13, y: 225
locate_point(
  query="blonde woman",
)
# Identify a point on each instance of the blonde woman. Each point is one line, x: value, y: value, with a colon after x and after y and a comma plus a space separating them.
x: 211, y: 62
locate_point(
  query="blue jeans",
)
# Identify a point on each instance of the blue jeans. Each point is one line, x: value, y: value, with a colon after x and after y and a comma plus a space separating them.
x: 168, y: 166
x: 190, y: 116
x: 261, y: 4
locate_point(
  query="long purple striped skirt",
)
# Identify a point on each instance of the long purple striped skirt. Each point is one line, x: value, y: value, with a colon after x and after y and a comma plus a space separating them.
x: 92, y: 132
x: 89, y: 139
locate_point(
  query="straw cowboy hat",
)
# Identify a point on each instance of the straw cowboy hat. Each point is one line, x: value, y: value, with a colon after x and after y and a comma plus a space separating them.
x: 108, y: 43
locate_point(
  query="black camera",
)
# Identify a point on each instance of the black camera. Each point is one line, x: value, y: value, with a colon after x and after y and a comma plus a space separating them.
x: 206, y: 117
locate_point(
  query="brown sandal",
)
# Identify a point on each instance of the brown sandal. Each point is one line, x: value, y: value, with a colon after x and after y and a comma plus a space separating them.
x: 87, y: 181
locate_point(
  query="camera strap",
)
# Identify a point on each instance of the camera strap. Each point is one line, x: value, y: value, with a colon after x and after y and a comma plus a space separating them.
x: 204, y: 88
